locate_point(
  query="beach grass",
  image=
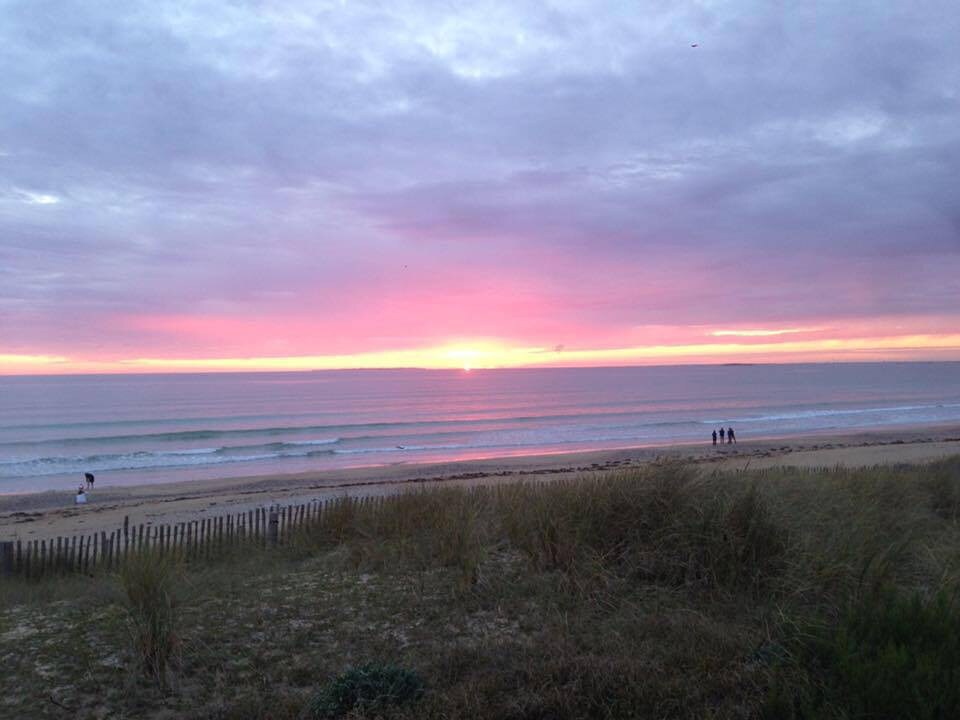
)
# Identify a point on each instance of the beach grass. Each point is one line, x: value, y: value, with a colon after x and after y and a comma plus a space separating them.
x: 149, y: 582
x: 659, y: 591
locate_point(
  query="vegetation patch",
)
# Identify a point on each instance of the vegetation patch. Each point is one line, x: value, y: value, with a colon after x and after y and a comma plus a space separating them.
x: 148, y: 581
x: 654, y: 592
x: 893, y: 655
x: 371, y: 688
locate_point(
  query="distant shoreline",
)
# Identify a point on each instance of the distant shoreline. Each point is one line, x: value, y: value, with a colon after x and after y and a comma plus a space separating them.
x: 274, y: 371
x: 52, y: 513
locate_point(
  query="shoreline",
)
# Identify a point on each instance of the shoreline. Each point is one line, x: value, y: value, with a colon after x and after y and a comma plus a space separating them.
x: 52, y: 513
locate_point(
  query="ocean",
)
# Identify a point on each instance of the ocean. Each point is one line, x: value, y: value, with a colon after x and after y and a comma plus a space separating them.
x: 137, y: 429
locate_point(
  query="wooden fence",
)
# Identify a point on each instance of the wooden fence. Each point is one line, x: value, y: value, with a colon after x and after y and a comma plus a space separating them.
x: 195, y: 539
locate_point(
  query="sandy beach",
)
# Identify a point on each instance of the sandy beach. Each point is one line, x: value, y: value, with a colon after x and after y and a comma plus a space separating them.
x: 50, y: 514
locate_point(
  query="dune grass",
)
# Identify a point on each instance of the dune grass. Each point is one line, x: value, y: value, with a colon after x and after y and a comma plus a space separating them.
x: 149, y: 582
x: 654, y: 592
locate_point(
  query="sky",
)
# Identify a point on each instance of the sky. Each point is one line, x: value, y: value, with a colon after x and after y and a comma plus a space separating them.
x: 199, y: 185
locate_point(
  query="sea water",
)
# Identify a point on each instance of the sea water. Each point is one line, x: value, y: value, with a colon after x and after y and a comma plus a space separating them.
x: 131, y: 429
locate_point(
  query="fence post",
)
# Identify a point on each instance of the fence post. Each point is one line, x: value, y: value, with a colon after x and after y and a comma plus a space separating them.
x: 274, y: 532
x: 6, y: 558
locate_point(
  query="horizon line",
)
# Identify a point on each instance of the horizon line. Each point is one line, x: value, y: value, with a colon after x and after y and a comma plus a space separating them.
x: 137, y: 373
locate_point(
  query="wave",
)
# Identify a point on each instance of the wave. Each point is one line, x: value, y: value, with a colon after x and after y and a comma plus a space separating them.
x: 340, y: 429
x: 142, y: 460
x: 810, y: 414
x: 446, y: 438
x: 130, y: 461
x: 541, y: 442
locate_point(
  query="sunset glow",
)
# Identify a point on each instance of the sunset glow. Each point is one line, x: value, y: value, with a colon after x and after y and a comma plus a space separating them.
x: 436, y: 186
x: 491, y: 355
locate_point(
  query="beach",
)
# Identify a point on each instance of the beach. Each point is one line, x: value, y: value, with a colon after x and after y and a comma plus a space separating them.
x: 161, y: 429
x: 53, y: 513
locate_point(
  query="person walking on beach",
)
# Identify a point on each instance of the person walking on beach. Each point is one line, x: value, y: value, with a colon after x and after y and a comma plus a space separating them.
x: 721, y: 436
x: 730, y: 437
x: 714, y: 437
x: 89, y: 478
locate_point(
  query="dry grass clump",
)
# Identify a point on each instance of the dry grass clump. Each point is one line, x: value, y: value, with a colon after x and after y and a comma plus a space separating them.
x: 148, y: 580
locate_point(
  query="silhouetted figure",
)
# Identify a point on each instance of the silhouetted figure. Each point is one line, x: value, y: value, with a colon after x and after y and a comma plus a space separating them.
x: 714, y: 437
x: 721, y: 436
x: 731, y: 438
x: 89, y: 478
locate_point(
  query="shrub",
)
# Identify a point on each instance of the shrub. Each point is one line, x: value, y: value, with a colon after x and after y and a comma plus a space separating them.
x: 373, y: 688
x: 893, y: 656
x: 148, y: 581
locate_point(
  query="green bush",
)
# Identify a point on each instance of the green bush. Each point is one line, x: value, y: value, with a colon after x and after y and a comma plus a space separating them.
x: 373, y: 688
x: 895, y: 656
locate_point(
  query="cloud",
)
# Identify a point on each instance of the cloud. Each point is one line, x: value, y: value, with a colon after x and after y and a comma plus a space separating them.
x: 762, y: 333
x: 33, y: 198
x: 419, y: 171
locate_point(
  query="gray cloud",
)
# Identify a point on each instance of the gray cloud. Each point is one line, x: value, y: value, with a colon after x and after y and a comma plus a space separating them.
x: 175, y: 157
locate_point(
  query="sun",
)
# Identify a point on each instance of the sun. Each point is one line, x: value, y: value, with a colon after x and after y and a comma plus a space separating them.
x: 466, y: 367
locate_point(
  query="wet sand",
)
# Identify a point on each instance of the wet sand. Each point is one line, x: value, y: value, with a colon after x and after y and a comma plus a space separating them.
x: 51, y: 514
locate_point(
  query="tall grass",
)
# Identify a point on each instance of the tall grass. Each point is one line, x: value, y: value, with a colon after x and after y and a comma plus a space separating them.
x: 802, y: 537
x: 942, y: 482
x: 657, y: 525
x: 660, y: 591
x: 446, y: 527
x: 149, y: 584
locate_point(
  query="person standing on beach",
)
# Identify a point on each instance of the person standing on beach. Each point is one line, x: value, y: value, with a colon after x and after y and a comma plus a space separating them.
x: 714, y: 437
x: 89, y: 478
x: 721, y: 436
x: 731, y: 438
